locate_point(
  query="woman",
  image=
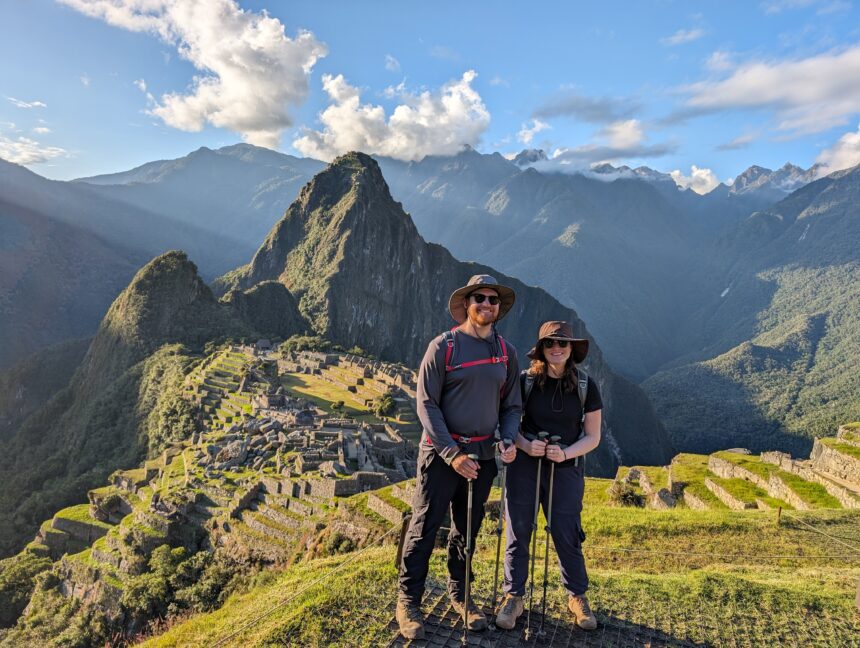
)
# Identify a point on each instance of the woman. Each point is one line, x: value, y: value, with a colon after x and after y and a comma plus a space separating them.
x: 551, y: 403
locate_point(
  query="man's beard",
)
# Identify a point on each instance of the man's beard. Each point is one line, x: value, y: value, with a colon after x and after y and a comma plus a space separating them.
x: 482, y: 319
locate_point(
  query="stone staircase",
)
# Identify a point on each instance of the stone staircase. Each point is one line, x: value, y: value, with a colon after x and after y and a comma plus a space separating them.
x: 214, y: 386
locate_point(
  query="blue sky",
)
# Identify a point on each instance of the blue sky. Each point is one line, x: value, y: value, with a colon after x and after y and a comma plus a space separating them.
x: 94, y: 86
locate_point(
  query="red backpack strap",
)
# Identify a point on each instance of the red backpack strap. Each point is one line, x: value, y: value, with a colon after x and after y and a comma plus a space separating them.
x: 504, y: 347
x: 448, y: 336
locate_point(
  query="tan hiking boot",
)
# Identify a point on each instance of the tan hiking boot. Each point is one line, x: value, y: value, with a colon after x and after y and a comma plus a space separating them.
x: 509, y: 611
x: 476, y: 619
x: 410, y: 620
x: 585, y: 618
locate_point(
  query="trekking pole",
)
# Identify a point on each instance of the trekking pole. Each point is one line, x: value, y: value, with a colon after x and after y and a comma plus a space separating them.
x: 540, y: 436
x: 473, y: 457
x: 554, y: 440
x: 505, y: 444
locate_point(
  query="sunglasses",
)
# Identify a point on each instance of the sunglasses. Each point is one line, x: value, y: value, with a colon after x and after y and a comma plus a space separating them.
x: 479, y: 298
x: 548, y: 343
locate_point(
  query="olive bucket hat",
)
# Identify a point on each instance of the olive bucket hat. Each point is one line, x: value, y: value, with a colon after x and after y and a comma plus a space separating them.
x: 458, y: 309
x: 557, y: 330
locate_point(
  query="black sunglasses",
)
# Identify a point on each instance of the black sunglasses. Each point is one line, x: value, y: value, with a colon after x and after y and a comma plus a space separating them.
x: 549, y: 342
x: 479, y: 298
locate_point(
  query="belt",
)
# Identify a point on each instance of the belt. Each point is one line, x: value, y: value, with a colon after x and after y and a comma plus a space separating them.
x: 464, y: 439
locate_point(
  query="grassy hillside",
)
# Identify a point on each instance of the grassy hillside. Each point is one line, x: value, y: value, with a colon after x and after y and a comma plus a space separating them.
x: 760, y: 581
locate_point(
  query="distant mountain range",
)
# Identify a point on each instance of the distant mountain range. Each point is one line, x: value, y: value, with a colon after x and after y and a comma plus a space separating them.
x: 664, y: 277
x: 345, y: 262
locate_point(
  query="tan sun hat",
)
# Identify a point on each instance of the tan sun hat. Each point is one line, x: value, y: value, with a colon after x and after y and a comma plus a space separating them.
x: 458, y: 310
x: 558, y: 330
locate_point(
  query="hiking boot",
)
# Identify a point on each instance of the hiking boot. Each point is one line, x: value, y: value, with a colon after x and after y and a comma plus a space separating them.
x: 509, y: 611
x: 475, y: 618
x: 410, y: 620
x: 585, y: 618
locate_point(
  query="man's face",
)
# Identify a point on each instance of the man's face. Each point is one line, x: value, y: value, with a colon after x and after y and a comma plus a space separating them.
x: 485, y: 313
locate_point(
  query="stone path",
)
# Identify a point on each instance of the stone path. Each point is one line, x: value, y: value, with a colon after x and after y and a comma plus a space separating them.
x: 657, y: 627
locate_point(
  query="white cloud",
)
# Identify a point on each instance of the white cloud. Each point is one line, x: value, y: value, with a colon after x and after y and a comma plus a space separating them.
x: 824, y: 6
x: 683, y: 36
x: 809, y: 95
x: 42, y: 130
x: 140, y: 84
x: 720, y: 61
x: 27, y: 104
x: 26, y: 151
x: 391, y: 63
x: 842, y: 155
x: 439, y: 123
x: 499, y: 81
x: 700, y: 180
x: 85, y: 80
x: 741, y: 141
x: 620, y: 140
x: 623, y: 134
x: 526, y: 135
x: 251, y: 73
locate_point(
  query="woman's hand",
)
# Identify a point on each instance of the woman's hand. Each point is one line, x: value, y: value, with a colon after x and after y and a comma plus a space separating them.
x: 536, y: 448
x: 555, y: 453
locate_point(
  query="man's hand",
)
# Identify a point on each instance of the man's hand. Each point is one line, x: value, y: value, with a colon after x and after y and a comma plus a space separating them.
x: 507, y: 453
x: 555, y: 453
x: 536, y: 448
x: 465, y: 467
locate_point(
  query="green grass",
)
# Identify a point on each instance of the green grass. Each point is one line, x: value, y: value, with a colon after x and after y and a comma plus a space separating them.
x: 675, y: 567
x: 385, y: 495
x: 657, y: 474
x: 812, y: 493
x: 741, y: 489
x: 688, y: 468
x: 699, y: 490
x: 842, y: 448
x: 81, y: 513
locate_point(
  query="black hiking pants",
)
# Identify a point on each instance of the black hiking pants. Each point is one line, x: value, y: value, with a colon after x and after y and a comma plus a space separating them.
x: 438, y: 490
x: 566, y: 531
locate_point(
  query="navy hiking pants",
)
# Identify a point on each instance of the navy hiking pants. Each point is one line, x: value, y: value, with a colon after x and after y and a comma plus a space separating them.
x: 439, y: 489
x: 566, y: 526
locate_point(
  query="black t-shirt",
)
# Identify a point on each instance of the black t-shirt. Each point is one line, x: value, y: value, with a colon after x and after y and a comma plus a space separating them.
x: 558, y: 412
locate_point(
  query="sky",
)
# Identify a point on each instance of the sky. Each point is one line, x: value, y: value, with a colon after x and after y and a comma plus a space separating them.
x: 701, y: 90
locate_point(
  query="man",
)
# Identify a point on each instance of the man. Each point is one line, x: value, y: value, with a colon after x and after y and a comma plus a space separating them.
x: 468, y: 386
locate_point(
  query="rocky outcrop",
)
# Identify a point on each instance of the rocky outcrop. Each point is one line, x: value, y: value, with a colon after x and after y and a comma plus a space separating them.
x: 349, y: 253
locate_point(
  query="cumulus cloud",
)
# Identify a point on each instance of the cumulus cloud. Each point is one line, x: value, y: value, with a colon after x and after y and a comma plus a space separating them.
x: 808, y: 95
x: 594, y: 110
x: 85, y: 80
x: 41, y: 130
x: 526, y: 135
x: 438, y: 123
x: 24, y: 150
x: 26, y: 104
x: 391, y: 63
x: 701, y: 181
x: 682, y: 36
x: 251, y: 73
x: 624, y: 134
x: 842, y: 155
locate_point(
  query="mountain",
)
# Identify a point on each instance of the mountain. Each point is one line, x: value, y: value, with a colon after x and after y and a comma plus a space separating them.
x: 364, y: 276
x: 56, y: 280
x: 124, y: 400
x: 767, y: 186
x: 527, y: 157
x: 784, y: 329
x: 236, y: 192
x: 66, y: 252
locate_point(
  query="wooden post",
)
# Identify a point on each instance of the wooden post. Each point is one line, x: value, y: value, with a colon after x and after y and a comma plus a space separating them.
x: 857, y: 598
x: 778, y: 515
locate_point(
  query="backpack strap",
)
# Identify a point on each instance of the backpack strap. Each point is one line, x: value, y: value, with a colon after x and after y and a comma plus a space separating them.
x: 582, y: 389
x: 527, y: 383
x: 449, y: 338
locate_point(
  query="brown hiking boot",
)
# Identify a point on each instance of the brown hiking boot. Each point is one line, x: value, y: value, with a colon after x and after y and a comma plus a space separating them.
x: 509, y: 611
x: 585, y: 618
x: 476, y: 619
x: 410, y: 620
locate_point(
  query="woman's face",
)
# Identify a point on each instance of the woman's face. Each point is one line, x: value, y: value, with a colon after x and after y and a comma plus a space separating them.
x: 555, y: 354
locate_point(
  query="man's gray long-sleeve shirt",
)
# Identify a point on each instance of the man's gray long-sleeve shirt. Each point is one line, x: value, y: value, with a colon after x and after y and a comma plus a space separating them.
x: 471, y: 401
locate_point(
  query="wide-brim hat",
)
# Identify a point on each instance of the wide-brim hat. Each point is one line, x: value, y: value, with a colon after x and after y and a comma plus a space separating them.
x: 557, y: 330
x: 458, y: 309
